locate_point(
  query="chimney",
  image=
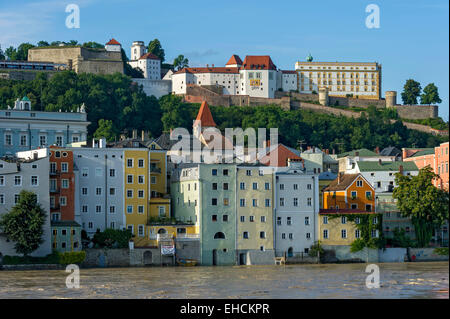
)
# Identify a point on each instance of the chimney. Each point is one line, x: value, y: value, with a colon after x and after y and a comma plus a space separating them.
x: 377, y: 150
x: 134, y: 136
x: 400, y: 169
x: 142, y: 135
x: 404, y: 153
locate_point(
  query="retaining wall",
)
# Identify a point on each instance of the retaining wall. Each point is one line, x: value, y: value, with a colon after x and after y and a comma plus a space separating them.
x: 426, y: 254
x: 393, y: 255
x: 336, y: 253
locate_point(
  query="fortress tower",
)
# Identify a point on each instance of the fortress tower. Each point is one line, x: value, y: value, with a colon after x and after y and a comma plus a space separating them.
x: 391, y: 98
x: 137, y: 50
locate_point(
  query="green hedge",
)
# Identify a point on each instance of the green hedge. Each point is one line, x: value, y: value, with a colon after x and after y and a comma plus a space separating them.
x: 75, y: 257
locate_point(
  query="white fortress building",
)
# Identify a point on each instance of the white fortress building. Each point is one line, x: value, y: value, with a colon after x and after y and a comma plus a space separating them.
x: 357, y: 79
x: 150, y: 65
x: 257, y: 76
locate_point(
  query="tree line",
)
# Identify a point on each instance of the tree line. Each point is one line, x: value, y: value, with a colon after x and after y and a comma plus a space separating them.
x: 122, y: 105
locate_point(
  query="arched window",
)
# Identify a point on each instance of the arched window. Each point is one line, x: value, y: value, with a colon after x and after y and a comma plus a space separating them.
x: 219, y: 235
x: 162, y: 231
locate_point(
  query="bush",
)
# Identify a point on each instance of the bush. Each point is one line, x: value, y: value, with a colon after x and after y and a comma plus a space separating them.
x: 357, y: 245
x: 315, y: 248
x: 112, y: 238
x: 52, y: 258
x: 443, y: 251
x: 74, y: 257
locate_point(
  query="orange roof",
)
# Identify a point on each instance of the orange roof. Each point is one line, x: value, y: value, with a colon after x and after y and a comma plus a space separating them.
x: 280, y: 154
x: 204, y: 116
x: 258, y: 62
x: 149, y: 56
x: 208, y: 70
x: 235, y: 59
x: 113, y: 41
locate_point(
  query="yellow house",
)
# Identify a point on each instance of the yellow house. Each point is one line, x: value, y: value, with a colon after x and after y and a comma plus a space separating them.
x: 136, y: 192
x: 339, y: 227
x: 167, y: 231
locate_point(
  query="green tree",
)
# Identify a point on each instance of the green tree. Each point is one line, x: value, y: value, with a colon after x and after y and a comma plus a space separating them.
x: 180, y: 62
x: 425, y: 204
x: 155, y: 47
x: 430, y: 95
x: 93, y: 45
x: 2, y: 55
x: 11, y: 53
x: 23, y: 224
x: 128, y: 69
x: 43, y: 44
x: 106, y: 129
x: 411, y: 91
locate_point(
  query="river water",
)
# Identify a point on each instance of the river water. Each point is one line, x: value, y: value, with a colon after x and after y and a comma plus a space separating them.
x: 399, y: 280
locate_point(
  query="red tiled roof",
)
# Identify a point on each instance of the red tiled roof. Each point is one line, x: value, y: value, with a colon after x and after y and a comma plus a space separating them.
x: 343, y: 211
x: 149, y: 56
x: 209, y: 70
x: 235, y: 59
x: 204, y: 116
x: 344, y: 182
x: 258, y: 62
x: 281, y: 154
x: 113, y: 41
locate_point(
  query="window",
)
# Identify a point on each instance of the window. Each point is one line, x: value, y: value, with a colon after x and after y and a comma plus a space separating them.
x: 141, y: 231
x: 225, y: 186
x: 278, y: 221
x: 140, y: 209
x: 129, y: 162
x: 295, y: 186
x: 2, y: 199
x: 129, y: 179
x: 325, y: 219
x: 374, y: 233
x: 141, y: 193
x: 17, y: 180
x: 255, y: 186
x: 42, y: 140
x: 129, y: 193
x: 2, y: 180
x: 267, y: 202
x: 242, y: 202
x: 226, y: 201
x: 306, y: 220
x: 281, y: 201
x: 291, y: 236
x: 112, y: 209
x: 34, y: 181
x: 214, y: 172
x: 262, y: 234
x: 354, y: 195
x: 225, y: 218
x: 162, y: 211
x: 225, y: 172
x: 141, y: 162
x: 85, y: 172
x: 98, y: 191
x: 112, y: 191
x: 65, y: 183
x: 289, y: 221
x: 295, y: 201
x: 344, y: 233
x: 369, y: 195
x: 252, y: 219
x: 354, y: 206
x: 8, y: 139
x: 242, y: 219
x: 98, y: 172
x: 368, y: 208
x: 375, y: 220
x: 98, y: 208
x: 112, y: 172
x: 249, y: 172
x: 255, y: 203
x: 219, y: 235
x: 242, y: 185
x: 359, y: 183
x: 267, y: 186
x: 84, y: 190
x: 308, y: 235
x: 64, y: 167
x: 214, y: 186
x: 263, y: 219
x: 309, y: 201
x: 153, y: 179
x: 344, y: 220
x: 214, y: 201
x: 283, y: 236
x: 245, y: 235
x: 281, y: 187
x: 130, y: 209
x: 23, y: 140
x: 357, y: 233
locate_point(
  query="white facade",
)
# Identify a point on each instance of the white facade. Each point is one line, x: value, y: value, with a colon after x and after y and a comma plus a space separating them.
x: 147, y: 62
x: 99, y: 186
x: 32, y: 176
x: 156, y: 88
x: 288, y: 81
x: 341, y: 78
x: 137, y: 50
x: 296, y: 210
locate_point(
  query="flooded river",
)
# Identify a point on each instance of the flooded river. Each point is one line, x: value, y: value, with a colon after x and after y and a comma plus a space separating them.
x: 400, y: 280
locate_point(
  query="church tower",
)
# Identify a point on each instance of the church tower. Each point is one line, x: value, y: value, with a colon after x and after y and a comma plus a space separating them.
x: 137, y: 50
x: 204, y: 120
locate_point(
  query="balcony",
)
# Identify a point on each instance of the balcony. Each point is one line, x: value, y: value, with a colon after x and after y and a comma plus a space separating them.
x: 154, y: 169
x: 54, y: 172
x: 188, y: 236
x: 159, y: 237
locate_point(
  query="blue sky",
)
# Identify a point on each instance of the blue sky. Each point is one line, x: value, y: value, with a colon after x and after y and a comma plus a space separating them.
x: 412, y: 41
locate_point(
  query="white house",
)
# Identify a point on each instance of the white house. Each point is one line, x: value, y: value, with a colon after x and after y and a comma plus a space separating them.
x: 113, y: 45
x: 296, y: 209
